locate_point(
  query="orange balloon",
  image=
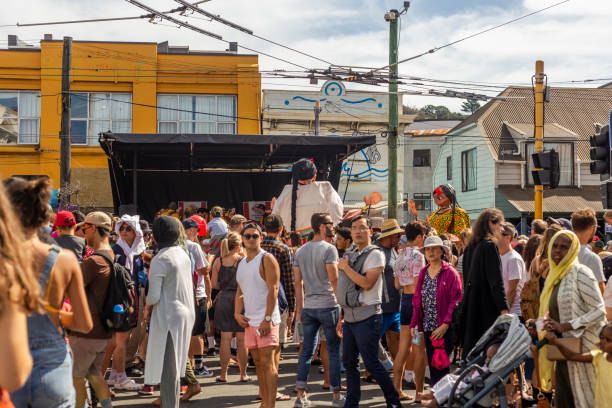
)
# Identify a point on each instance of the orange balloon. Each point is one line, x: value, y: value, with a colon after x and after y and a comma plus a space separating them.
x: 375, y: 198
x: 366, y: 200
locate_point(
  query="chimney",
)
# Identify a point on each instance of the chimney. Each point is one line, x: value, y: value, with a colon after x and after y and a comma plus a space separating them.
x: 48, y: 37
x: 12, y: 40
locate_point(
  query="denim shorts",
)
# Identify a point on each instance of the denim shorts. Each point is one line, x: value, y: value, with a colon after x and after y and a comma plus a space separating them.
x: 406, y: 309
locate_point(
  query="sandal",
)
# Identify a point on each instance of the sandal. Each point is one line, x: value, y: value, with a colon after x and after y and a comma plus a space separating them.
x: 282, y: 397
x: 219, y: 380
x: 406, y: 397
x: 246, y: 380
x: 370, y: 379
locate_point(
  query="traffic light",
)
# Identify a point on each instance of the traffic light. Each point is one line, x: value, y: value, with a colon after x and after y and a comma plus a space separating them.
x: 606, y: 194
x: 550, y: 174
x: 600, y: 152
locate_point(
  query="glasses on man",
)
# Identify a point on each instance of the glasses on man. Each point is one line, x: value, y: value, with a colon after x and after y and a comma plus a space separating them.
x: 125, y: 228
x: 251, y: 236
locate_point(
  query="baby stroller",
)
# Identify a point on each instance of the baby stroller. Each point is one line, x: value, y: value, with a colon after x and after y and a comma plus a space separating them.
x: 483, y: 389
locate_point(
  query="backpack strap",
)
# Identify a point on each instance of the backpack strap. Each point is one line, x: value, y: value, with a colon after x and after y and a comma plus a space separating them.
x: 106, y: 257
x: 47, y: 270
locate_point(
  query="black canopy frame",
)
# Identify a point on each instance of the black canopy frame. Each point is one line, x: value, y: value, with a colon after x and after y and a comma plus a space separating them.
x: 148, y: 171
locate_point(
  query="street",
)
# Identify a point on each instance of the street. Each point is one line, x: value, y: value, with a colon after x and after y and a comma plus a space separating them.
x: 235, y: 393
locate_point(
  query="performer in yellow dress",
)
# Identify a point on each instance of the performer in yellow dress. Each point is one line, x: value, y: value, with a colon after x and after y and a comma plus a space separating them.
x: 449, y: 218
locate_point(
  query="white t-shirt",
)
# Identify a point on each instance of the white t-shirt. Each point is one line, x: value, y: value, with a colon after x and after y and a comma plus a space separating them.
x: 200, y: 262
x: 375, y: 259
x: 608, y: 293
x: 513, y: 268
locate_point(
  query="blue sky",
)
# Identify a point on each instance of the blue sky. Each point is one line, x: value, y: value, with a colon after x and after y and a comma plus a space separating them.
x: 571, y: 38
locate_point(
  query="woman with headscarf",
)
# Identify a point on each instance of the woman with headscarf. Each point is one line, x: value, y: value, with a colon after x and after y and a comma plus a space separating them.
x: 449, y: 218
x: 171, y: 299
x: 572, y: 306
x: 304, y: 197
x: 129, y: 249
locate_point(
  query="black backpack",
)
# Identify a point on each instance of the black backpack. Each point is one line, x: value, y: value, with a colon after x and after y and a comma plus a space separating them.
x: 120, y: 292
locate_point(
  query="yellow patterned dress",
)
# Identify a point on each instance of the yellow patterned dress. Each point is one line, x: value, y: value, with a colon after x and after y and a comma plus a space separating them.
x: 441, y: 221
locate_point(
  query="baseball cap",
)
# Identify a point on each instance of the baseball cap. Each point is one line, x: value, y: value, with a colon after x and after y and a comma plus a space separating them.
x: 64, y: 219
x: 237, y: 219
x: 189, y: 223
x: 201, y: 224
x: 273, y: 222
x: 99, y: 219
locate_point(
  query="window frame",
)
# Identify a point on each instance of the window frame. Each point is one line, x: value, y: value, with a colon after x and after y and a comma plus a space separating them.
x: 220, y: 120
x: 414, y: 156
x: 92, y: 140
x: 424, y: 198
x: 19, y: 117
x: 464, y: 171
x: 449, y: 168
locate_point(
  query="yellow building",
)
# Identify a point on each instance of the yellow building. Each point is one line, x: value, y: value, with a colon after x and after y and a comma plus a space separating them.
x: 117, y: 86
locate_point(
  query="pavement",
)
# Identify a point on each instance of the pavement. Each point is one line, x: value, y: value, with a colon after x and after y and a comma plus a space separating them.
x: 236, y: 394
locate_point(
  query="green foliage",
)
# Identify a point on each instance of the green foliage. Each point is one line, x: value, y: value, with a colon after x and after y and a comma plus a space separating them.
x: 432, y: 112
x: 471, y: 106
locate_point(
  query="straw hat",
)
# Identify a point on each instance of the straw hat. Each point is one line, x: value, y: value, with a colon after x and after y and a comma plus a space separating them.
x: 435, y: 241
x: 390, y: 227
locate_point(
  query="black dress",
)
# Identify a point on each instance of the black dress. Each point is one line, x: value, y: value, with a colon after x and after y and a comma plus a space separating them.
x: 484, y: 296
x: 564, y: 397
x: 224, y: 308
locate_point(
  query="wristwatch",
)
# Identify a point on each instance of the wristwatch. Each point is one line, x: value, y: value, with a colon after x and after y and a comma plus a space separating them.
x: 268, y: 318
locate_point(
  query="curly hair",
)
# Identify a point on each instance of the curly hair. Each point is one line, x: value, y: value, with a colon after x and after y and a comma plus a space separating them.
x: 30, y: 199
x: 17, y: 281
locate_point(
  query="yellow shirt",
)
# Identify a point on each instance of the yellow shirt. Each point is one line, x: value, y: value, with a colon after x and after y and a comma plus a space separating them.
x: 441, y: 222
x: 603, y: 387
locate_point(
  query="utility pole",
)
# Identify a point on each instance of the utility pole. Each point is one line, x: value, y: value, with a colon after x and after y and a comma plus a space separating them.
x: 392, y: 17
x: 539, y: 131
x: 65, y: 126
x: 317, y: 110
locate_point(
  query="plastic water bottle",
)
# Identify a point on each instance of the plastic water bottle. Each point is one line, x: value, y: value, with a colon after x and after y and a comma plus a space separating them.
x: 417, y: 339
x: 118, y: 311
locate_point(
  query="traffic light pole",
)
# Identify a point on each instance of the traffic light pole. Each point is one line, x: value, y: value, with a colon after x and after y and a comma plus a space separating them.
x: 539, y: 132
x: 393, y: 116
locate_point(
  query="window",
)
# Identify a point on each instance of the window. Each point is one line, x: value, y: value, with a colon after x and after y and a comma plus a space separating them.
x: 19, y: 117
x: 96, y: 112
x: 468, y: 170
x: 196, y: 113
x: 421, y: 158
x: 566, y: 160
x: 449, y: 167
x: 422, y: 201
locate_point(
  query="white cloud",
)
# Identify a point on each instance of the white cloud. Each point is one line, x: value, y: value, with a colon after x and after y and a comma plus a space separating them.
x: 571, y: 38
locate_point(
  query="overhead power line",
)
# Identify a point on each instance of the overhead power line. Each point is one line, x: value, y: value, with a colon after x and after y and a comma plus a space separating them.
x: 98, y: 20
x: 431, y: 51
x: 244, y: 30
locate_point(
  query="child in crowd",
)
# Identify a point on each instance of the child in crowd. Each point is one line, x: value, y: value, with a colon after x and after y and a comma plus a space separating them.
x: 601, y: 359
x: 440, y: 393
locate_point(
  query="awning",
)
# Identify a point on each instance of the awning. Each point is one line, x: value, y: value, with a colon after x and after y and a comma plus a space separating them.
x: 556, y: 201
x: 150, y: 170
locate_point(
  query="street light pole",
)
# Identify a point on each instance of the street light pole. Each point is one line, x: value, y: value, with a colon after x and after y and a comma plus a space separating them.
x: 392, y: 17
x: 539, y: 132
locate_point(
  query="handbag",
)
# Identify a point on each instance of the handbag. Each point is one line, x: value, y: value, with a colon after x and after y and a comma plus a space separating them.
x: 572, y: 343
x: 439, y: 359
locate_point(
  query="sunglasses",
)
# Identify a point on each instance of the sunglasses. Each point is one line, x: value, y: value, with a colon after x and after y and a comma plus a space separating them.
x: 251, y: 236
x: 128, y: 229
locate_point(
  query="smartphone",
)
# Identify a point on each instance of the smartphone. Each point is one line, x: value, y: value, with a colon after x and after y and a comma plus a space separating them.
x: 258, y: 332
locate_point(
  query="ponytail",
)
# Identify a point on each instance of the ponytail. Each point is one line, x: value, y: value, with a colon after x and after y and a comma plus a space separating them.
x: 301, y: 170
x: 224, y: 248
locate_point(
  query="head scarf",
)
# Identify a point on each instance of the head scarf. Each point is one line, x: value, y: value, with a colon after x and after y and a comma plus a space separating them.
x: 555, y: 274
x: 138, y: 246
x: 165, y: 231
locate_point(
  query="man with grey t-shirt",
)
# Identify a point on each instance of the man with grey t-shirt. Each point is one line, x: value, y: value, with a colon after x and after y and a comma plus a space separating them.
x: 584, y: 225
x: 315, y: 268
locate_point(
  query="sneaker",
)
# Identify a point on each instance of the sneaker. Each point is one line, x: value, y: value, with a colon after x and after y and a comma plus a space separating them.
x: 112, y: 380
x: 133, y: 372
x: 147, y: 390
x: 339, y: 403
x: 203, y: 372
x: 302, y: 402
x: 128, y: 385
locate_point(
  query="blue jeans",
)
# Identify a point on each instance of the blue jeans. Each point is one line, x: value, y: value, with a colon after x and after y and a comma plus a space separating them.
x: 312, y: 319
x: 362, y: 338
x: 50, y: 382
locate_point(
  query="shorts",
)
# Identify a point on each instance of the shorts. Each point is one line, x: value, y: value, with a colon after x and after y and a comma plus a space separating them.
x: 200, y: 326
x: 252, y: 340
x: 391, y: 321
x: 88, y: 356
x: 406, y: 309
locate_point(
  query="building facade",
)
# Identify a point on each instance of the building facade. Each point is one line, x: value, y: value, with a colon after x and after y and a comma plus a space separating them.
x: 342, y: 112
x: 118, y: 86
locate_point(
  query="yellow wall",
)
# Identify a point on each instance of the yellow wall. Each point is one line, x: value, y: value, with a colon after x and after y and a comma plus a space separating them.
x: 117, y: 67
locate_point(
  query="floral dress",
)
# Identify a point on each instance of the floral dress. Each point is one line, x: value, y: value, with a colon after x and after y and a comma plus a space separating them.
x: 429, y: 302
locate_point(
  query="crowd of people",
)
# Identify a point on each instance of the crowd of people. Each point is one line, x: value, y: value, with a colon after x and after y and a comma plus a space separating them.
x: 104, y: 301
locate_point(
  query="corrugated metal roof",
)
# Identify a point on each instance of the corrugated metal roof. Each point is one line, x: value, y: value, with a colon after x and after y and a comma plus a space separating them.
x: 558, y: 200
x: 428, y: 132
x: 432, y: 124
x: 576, y: 109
